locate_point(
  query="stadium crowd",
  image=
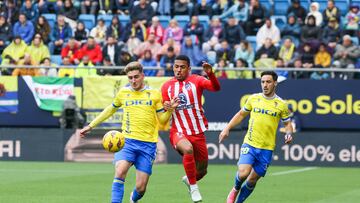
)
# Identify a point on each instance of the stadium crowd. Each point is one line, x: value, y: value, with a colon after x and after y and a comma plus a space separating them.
x: 236, y: 34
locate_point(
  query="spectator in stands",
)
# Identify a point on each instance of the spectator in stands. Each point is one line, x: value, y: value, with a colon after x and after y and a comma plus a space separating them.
x: 240, y: 64
x: 122, y: 7
x: 70, y: 13
x: 332, y: 33
x: 352, y: 20
x: 49, y: 72
x: 5, y: 33
x: 89, y: 6
x: 307, y: 56
x: 319, y: 75
x: 24, y: 28
x: 189, y: 49
x: 142, y: 12
x: 173, y: 31
x: 149, y: 44
x: 233, y: 32
x: 38, y: 50
x: 92, y: 50
x: 12, y: 12
x: 99, y: 32
x: 222, y: 63
x: 214, y: 30
x: 30, y: 10
x: 257, y: 15
x: 346, y: 55
x: 108, y: 72
x: 287, y: 52
x: 314, y: 11
x: 156, y: 29
x: 311, y: 33
x: 66, y: 72
x: 183, y: 7
x: 167, y: 62
x: 84, y: 68
x: 292, y: 28
x: 42, y: 5
x: 331, y: 11
x: 268, y: 30
x: 282, y: 74
x: 164, y: 7
x: 125, y: 58
x: 70, y: 50
x: 43, y: 28
x: 135, y: 29
x: 268, y: 50
x: 245, y: 52
x: 210, y: 47
x: 322, y: 57
x: 14, y: 51
x: 297, y: 10
x: 59, y: 36
x: 112, y: 51
x: 202, y: 8
x: 115, y: 29
x: 299, y: 74
x: 240, y: 11
x: 195, y: 30
x: 225, y: 52
x: 81, y: 33
x: 27, y: 61
x: 149, y: 61
x: 170, y: 43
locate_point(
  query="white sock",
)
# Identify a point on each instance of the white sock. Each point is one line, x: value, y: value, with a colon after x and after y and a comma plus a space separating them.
x: 194, y: 187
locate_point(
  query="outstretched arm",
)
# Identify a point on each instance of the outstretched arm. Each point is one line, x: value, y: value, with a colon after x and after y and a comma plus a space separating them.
x: 213, y: 83
x: 236, y: 120
x: 105, y: 114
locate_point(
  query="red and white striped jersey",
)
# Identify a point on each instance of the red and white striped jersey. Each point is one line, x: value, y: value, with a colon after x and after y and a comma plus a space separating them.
x: 189, y: 118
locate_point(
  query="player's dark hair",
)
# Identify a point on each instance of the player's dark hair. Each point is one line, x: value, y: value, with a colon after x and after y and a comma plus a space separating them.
x: 272, y: 73
x: 183, y: 58
x: 134, y: 66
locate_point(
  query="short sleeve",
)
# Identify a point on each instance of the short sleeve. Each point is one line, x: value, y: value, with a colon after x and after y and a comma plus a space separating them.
x: 164, y: 92
x: 285, y: 114
x: 158, y: 102
x: 248, y: 107
x: 117, y: 100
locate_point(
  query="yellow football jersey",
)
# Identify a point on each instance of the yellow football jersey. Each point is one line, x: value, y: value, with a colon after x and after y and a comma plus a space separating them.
x: 140, y: 107
x: 265, y: 114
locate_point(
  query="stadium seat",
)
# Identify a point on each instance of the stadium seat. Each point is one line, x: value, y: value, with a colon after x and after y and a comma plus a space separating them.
x: 267, y: 4
x: 182, y: 20
x: 51, y: 18
x: 204, y: 20
x: 305, y: 4
x: 106, y: 18
x: 88, y: 20
x: 343, y: 6
x: 355, y: 40
x: 56, y: 59
x: 280, y: 7
x: 124, y: 19
x: 252, y: 41
x: 164, y: 21
x: 280, y: 21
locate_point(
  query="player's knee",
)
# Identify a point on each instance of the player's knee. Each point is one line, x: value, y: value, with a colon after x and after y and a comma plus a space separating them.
x: 120, y: 173
x: 243, y: 173
x: 252, y: 181
x: 141, y: 188
x: 188, y: 149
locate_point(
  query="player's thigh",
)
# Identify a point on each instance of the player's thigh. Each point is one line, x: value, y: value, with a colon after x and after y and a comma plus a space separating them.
x: 128, y: 153
x: 200, y: 149
x: 184, y: 146
x: 121, y: 168
x: 146, y: 154
x: 263, y: 161
x: 246, y: 160
x: 142, y: 180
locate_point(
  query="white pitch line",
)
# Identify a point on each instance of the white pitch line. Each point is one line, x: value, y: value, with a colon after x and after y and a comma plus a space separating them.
x: 293, y: 171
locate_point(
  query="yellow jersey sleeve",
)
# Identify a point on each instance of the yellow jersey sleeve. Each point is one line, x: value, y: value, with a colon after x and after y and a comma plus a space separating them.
x: 117, y: 100
x: 285, y: 114
x: 158, y: 102
x: 247, y: 107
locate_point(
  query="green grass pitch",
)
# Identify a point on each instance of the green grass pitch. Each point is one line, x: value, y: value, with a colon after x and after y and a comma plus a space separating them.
x: 47, y: 182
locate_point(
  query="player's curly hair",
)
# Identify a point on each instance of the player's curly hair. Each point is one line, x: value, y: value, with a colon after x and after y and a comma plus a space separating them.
x: 134, y: 66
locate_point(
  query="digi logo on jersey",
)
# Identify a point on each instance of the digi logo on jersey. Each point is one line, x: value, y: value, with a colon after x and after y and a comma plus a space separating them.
x: 138, y: 102
x: 183, y: 102
x: 265, y: 111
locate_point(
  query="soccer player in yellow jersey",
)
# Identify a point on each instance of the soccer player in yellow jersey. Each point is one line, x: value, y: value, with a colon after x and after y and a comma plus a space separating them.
x: 143, y: 109
x: 265, y: 109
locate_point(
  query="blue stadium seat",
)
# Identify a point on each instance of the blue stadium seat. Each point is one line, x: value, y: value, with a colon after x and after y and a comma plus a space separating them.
x: 51, y: 18
x: 305, y: 4
x: 56, y: 59
x: 204, y: 20
x: 164, y: 21
x: 124, y: 19
x: 252, y: 41
x: 355, y: 40
x: 88, y: 20
x: 182, y: 20
x: 280, y: 21
x: 280, y: 7
x: 267, y: 4
x: 106, y: 18
x: 343, y: 6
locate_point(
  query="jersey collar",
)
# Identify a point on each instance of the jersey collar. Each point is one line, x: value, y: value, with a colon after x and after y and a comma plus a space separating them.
x: 269, y: 98
x: 144, y: 88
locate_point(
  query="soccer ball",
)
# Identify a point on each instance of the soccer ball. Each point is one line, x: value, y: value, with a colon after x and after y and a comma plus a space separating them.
x: 113, y: 141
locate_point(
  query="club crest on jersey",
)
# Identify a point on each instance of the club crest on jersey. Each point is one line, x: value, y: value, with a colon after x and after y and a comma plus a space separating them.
x: 148, y: 94
x: 265, y: 111
x: 276, y: 104
x: 187, y: 86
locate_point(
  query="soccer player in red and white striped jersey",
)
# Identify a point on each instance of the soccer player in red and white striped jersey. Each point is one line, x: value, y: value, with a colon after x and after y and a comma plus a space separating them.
x: 188, y: 120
